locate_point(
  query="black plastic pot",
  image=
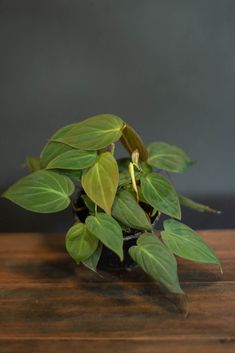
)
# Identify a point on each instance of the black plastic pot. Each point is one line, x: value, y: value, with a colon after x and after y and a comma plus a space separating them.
x: 109, y: 261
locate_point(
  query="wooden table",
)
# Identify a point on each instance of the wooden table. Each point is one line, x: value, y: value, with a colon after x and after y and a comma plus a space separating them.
x: 48, y: 304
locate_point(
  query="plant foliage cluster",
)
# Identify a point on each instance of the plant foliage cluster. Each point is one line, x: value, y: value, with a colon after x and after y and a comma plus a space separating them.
x: 119, y: 196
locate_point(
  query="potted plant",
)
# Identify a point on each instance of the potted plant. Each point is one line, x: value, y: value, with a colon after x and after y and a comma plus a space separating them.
x: 118, y: 202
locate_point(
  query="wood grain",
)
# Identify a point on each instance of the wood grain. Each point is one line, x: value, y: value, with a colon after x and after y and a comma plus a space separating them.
x: 48, y: 304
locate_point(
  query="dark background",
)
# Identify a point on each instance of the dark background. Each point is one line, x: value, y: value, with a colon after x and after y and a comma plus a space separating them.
x: 167, y: 67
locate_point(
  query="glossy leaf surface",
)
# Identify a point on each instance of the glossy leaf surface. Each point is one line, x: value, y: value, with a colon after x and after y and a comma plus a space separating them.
x: 185, y: 242
x: 100, y: 182
x: 54, y: 149
x: 94, y: 133
x: 160, y: 194
x: 42, y: 191
x: 74, y: 160
x: 156, y: 260
x: 127, y: 210
x: 108, y: 231
x: 168, y: 157
x: 80, y: 243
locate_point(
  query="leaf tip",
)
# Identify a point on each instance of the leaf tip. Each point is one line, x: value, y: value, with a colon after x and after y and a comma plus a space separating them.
x: 180, y: 291
x: 179, y: 216
x: 221, y: 269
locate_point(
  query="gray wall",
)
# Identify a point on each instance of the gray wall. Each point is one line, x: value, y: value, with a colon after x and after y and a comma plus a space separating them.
x: 166, y: 66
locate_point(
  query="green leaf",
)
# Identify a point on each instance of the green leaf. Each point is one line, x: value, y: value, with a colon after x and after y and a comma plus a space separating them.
x: 168, y: 157
x: 41, y: 191
x: 146, y: 168
x: 127, y: 210
x: 100, y: 182
x: 132, y: 141
x: 156, y: 260
x: 54, y: 149
x: 108, y: 231
x: 93, y: 260
x: 196, y: 206
x: 186, y: 243
x: 72, y: 174
x: 160, y: 194
x: 74, y: 160
x: 89, y: 204
x: 124, y: 178
x: 94, y: 133
x: 80, y: 243
x: 33, y: 164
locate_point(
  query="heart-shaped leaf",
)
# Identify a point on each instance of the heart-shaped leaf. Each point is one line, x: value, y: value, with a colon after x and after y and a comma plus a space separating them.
x: 168, y: 157
x: 80, y: 243
x: 93, y: 260
x: 41, y: 191
x: 156, y: 260
x: 127, y: 210
x: 132, y: 141
x: 185, y: 201
x: 54, y: 149
x: 100, y: 182
x: 73, y: 159
x: 108, y: 231
x: 186, y: 243
x: 160, y: 194
x: 94, y: 133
